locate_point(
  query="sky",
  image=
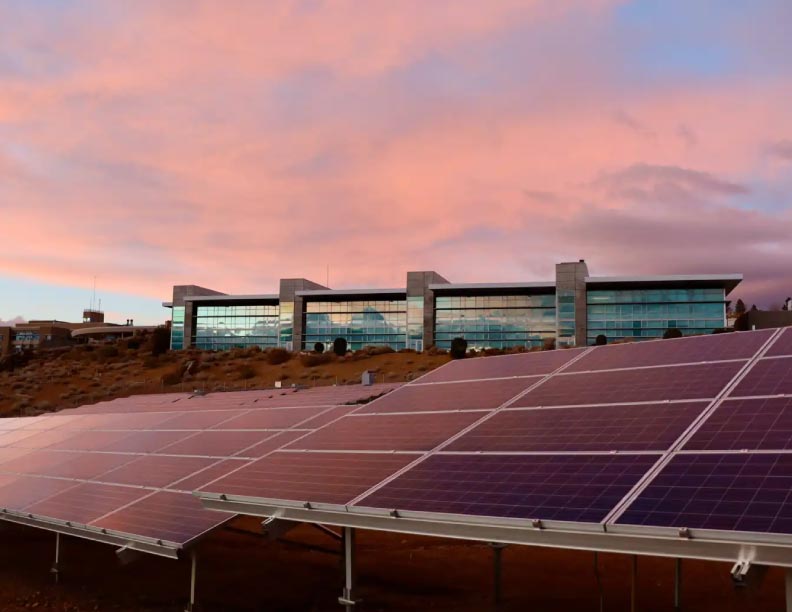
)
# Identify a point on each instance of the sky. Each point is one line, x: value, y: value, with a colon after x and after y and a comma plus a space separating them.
x: 231, y: 143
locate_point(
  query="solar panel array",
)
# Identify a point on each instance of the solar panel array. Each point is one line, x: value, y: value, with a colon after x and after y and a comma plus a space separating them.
x: 128, y: 467
x: 692, y: 432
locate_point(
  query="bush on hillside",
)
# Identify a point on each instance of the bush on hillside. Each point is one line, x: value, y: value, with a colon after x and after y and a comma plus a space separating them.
x: 319, y: 347
x: 340, y: 346
x: 672, y: 332
x: 311, y: 360
x: 277, y: 356
x: 160, y: 341
x: 458, y: 348
x: 601, y: 340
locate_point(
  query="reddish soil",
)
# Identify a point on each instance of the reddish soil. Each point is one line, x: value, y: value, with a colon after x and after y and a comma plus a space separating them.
x: 245, y: 572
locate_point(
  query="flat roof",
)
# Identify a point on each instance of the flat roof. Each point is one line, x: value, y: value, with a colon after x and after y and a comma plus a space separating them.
x: 726, y: 281
x: 232, y: 298
x: 111, y: 329
x: 342, y: 292
x: 498, y: 286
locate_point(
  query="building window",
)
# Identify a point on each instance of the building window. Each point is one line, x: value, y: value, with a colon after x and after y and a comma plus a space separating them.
x: 495, y: 321
x: 241, y: 326
x: 647, y: 313
x: 177, y: 328
x: 360, y: 322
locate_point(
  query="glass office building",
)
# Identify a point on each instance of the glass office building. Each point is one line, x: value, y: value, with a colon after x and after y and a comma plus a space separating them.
x: 431, y: 311
x: 363, y: 322
x: 219, y: 327
x: 647, y: 313
x: 495, y: 321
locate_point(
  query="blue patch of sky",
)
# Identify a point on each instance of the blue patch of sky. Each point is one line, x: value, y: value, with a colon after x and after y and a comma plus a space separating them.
x: 38, y: 300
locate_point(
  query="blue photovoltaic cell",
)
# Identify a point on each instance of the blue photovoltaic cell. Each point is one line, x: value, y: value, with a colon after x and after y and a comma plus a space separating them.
x: 738, y: 345
x: 85, y: 502
x: 782, y: 344
x: 551, y: 487
x: 593, y: 428
x: 766, y: 377
x: 644, y: 385
x: 523, y: 364
x: 734, y: 492
x: 748, y: 424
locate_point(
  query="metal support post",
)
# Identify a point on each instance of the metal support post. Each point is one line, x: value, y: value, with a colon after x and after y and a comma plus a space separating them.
x: 347, y: 599
x: 599, y: 582
x: 788, y: 585
x: 56, y: 565
x: 634, y: 585
x: 677, y: 585
x: 497, y: 573
x: 191, y: 607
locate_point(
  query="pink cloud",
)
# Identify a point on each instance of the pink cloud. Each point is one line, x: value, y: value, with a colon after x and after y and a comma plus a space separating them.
x: 188, y: 143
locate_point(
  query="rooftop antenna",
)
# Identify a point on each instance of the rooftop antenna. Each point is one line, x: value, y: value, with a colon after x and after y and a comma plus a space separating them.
x: 93, y: 295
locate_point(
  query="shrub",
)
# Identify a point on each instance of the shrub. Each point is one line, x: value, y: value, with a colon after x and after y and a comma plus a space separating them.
x: 133, y: 344
x: 458, y: 348
x: 319, y: 347
x: 246, y: 372
x: 548, y: 344
x: 379, y: 350
x: 277, y: 356
x: 108, y: 352
x: 172, y: 377
x: 160, y: 341
x: 311, y: 360
x: 340, y: 346
x: 601, y: 340
x: 672, y: 332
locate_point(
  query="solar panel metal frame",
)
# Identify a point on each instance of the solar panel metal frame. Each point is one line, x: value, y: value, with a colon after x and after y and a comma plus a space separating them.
x: 606, y: 536
x: 145, y: 544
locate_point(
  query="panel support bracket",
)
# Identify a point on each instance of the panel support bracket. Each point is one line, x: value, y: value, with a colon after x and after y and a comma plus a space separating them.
x: 347, y: 599
x: 56, y: 564
x: 191, y: 605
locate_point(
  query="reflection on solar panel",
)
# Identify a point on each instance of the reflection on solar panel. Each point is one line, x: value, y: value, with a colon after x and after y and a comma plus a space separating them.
x: 400, y: 432
x: 767, y: 377
x: 550, y: 487
x: 483, y: 395
x: 595, y: 428
x: 783, y: 345
x: 332, y: 478
x: 643, y: 385
x: 750, y: 424
x: 682, y: 350
x: 523, y: 364
x: 132, y: 473
x: 734, y: 492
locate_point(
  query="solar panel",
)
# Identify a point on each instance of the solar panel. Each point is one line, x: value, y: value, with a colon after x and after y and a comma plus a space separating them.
x: 549, y: 487
x: 176, y: 517
x: 403, y: 432
x: 783, y: 345
x: 739, y: 345
x: 522, y: 364
x: 642, y: 427
x: 132, y: 470
x: 482, y: 395
x: 86, y: 502
x: 641, y: 385
x: 750, y: 424
x: 767, y: 377
x: 734, y: 492
x: 332, y: 478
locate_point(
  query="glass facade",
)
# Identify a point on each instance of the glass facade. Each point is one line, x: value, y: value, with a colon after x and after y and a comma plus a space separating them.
x: 648, y: 313
x: 286, y: 325
x: 565, y: 301
x: 360, y: 322
x: 415, y: 323
x: 226, y: 327
x: 177, y: 328
x: 495, y: 321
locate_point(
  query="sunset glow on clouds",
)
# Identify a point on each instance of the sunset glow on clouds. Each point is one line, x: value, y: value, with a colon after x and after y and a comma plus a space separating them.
x: 229, y: 144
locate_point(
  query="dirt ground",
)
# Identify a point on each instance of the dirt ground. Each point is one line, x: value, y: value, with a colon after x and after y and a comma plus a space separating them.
x: 242, y: 571
x: 57, y: 379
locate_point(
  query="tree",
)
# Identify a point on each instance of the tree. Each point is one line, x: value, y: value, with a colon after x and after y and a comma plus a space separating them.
x: 672, y: 332
x: 458, y: 348
x: 340, y: 346
x: 739, y: 307
x: 601, y: 340
x: 319, y: 347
